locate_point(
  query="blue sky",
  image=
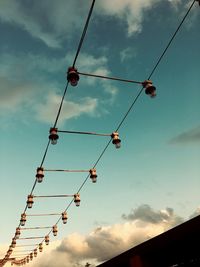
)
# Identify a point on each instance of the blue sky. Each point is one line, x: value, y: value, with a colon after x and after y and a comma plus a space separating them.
x: 147, y: 186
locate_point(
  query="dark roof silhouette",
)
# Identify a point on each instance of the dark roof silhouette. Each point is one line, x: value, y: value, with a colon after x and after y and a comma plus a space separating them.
x: 178, y: 246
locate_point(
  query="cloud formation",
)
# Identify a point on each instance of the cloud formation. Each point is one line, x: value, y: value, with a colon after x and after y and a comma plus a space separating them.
x: 105, y: 242
x: 46, y: 112
x: 45, y: 20
x: 146, y: 214
x: 188, y: 137
x: 34, y: 85
x: 132, y: 12
x: 54, y: 22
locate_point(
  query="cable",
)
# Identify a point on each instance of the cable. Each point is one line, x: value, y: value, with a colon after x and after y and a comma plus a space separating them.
x: 130, y: 108
x: 172, y: 38
x: 135, y: 99
x: 84, y: 32
x: 60, y: 107
x: 109, y: 78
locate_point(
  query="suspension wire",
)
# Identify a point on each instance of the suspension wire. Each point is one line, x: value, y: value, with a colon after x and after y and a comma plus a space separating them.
x: 130, y: 108
x: 36, y: 228
x: 109, y: 78
x: 66, y: 170
x: 136, y: 98
x: 46, y: 214
x: 27, y: 245
x: 60, y: 107
x: 172, y: 38
x: 84, y: 33
x: 61, y: 104
x: 155, y: 67
x: 87, y: 133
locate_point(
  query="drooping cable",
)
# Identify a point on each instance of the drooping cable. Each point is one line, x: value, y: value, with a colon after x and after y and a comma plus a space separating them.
x: 158, y: 62
x: 84, y: 32
x: 63, y: 97
x: 140, y: 92
x: 170, y: 41
x: 133, y: 103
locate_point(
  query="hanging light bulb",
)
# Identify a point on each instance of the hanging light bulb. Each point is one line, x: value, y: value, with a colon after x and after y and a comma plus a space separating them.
x: 55, y: 230
x: 77, y: 199
x: 64, y: 217
x: 35, y: 252
x: 47, y: 239
x: 17, y: 233
x: 149, y: 88
x: 72, y: 76
x: 40, y: 174
x: 93, y: 175
x: 53, y: 135
x: 30, y: 201
x: 40, y: 247
x: 13, y: 244
x: 23, y: 219
x: 27, y: 259
x: 10, y: 250
x: 115, y: 139
x: 31, y: 256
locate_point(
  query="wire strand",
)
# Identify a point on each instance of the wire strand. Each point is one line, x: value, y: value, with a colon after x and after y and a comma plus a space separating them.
x: 84, y: 32
x: 109, y: 78
x: 130, y: 108
x: 172, y: 38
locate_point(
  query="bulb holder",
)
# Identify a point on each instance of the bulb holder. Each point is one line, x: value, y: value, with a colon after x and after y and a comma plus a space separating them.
x: 30, y: 201
x: 23, y: 219
x: 77, y: 200
x: 149, y: 88
x: 13, y: 244
x: 47, y: 240
x: 64, y: 217
x: 31, y: 256
x: 115, y: 139
x: 35, y: 252
x: 17, y: 233
x: 40, y: 174
x: 72, y: 76
x: 40, y: 247
x: 53, y: 135
x: 93, y: 175
x: 55, y: 230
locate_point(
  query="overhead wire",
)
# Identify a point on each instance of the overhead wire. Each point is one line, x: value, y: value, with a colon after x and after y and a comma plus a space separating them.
x: 126, y: 114
x: 65, y: 91
x: 84, y: 32
x: 170, y: 41
x: 63, y: 97
x: 140, y: 92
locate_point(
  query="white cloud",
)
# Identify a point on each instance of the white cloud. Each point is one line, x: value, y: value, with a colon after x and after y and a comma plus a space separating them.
x: 130, y: 11
x: 46, y: 112
x: 53, y: 22
x: 28, y: 80
x: 47, y: 20
x: 106, y: 242
x: 127, y: 53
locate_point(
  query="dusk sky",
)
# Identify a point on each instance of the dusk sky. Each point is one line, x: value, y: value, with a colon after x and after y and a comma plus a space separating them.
x: 144, y: 188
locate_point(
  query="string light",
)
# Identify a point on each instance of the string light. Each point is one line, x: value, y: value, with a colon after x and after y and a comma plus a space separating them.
x: 64, y: 217
x: 73, y: 78
x: 53, y: 135
x: 40, y: 174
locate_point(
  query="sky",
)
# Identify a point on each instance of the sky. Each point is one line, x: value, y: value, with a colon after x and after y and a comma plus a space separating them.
x: 144, y: 188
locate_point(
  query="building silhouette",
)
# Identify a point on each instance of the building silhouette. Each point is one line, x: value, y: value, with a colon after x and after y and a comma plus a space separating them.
x: 179, y: 246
